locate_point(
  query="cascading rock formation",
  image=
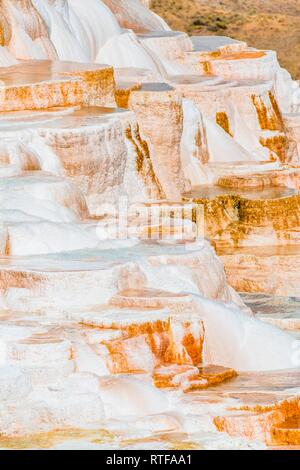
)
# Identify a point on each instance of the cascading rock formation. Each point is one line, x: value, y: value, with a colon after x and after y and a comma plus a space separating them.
x: 119, y: 326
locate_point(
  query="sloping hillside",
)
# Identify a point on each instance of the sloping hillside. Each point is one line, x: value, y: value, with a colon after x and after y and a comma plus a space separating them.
x: 265, y: 24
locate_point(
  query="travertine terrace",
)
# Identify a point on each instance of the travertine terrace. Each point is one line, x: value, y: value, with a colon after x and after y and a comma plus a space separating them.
x: 149, y: 234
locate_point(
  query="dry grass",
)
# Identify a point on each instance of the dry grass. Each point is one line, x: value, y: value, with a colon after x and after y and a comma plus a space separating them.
x: 265, y: 24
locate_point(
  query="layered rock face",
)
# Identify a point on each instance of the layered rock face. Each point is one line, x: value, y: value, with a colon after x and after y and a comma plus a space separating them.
x: 130, y: 157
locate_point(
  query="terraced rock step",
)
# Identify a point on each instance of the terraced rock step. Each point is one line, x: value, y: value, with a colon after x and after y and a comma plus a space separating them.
x: 263, y: 269
x: 38, y: 91
x: 253, y: 403
x: 151, y: 298
x: 99, y: 149
x: 114, y: 307
x: 283, y: 312
x: 148, y: 338
x: 286, y: 176
x: 257, y: 108
x: 45, y: 84
x: 86, y: 278
x: 247, y: 217
x: 256, y: 231
x: 244, y: 170
x: 287, y: 432
x: 190, y: 379
x: 207, y: 192
x: 232, y: 62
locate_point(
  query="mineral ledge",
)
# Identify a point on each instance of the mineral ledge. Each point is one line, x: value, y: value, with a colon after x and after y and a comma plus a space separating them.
x: 137, y: 337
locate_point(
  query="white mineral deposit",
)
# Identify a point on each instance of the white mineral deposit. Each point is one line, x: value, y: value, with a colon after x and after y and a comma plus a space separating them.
x: 149, y: 234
